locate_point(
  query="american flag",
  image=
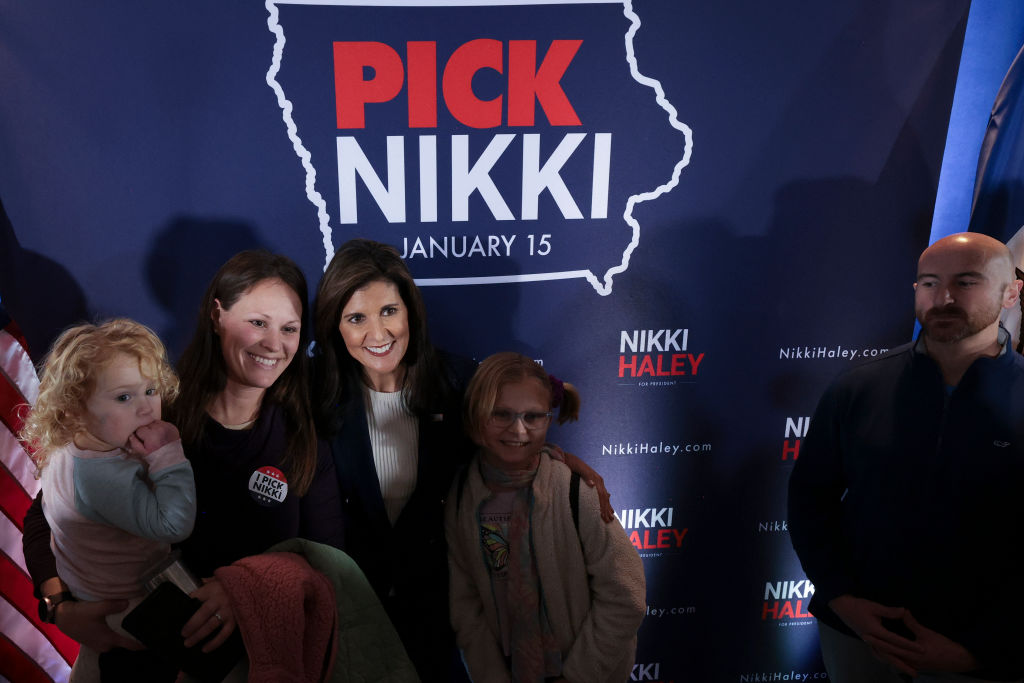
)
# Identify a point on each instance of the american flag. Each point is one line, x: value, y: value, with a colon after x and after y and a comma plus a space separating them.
x: 30, y: 651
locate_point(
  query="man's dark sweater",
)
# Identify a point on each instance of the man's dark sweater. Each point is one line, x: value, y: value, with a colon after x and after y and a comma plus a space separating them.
x: 910, y: 494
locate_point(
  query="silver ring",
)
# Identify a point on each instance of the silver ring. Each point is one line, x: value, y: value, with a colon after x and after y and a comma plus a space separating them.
x: 219, y: 617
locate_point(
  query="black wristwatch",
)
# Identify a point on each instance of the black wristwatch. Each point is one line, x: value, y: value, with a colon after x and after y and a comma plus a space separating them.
x: 48, y: 606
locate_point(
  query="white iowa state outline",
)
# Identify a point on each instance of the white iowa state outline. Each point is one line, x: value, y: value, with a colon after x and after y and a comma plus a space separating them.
x: 604, y: 287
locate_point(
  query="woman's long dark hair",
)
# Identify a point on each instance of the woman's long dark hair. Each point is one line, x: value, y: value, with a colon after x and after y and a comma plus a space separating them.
x: 356, y: 264
x: 203, y: 371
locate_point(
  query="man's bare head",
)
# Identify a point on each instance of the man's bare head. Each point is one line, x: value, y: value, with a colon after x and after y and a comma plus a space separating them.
x: 964, y: 281
x: 974, y: 245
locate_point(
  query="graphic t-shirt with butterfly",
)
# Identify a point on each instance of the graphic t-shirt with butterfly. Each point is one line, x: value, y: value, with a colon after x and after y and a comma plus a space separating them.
x: 495, y: 514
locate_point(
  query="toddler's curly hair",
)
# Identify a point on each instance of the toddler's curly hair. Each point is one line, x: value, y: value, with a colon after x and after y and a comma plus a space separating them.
x: 68, y: 377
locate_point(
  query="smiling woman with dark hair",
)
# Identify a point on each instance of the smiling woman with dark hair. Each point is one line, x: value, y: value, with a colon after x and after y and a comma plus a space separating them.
x: 391, y: 404
x: 211, y: 367
x: 244, y: 407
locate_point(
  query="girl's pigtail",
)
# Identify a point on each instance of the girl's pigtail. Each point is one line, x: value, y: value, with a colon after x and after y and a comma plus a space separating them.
x: 566, y: 399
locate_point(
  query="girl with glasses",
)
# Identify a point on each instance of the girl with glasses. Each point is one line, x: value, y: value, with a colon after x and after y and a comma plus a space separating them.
x: 541, y: 588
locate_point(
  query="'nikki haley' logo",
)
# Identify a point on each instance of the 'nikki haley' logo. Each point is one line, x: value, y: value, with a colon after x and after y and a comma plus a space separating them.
x: 652, y: 529
x: 787, y: 600
x: 661, y: 355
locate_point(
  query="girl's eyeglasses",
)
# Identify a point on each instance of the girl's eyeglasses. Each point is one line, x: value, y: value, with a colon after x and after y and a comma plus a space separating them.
x: 531, y: 420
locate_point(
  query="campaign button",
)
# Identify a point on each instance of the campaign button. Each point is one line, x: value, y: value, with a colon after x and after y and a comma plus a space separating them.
x: 268, y: 486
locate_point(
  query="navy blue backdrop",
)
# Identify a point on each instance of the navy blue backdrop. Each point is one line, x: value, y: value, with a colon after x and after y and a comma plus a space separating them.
x: 696, y: 212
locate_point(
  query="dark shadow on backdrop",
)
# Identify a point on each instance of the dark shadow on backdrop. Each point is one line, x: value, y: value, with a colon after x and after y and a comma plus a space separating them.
x: 182, y: 259
x: 38, y: 293
x: 454, y: 319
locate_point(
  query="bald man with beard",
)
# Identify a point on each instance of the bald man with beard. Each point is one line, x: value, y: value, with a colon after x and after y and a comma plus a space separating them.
x: 906, y: 506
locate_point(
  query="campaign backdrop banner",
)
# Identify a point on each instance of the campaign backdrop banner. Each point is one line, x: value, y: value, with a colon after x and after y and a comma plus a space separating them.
x: 698, y: 213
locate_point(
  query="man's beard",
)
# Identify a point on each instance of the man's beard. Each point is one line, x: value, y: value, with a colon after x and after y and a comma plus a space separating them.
x: 950, y: 324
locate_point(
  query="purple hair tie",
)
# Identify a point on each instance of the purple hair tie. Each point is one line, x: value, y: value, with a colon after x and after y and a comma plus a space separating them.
x: 557, y: 390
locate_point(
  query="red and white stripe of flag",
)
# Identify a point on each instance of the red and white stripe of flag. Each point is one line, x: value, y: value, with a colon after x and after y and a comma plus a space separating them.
x: 30, y: 651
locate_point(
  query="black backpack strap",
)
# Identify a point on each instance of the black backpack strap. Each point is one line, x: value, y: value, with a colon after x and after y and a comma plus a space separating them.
x: 574, y: 500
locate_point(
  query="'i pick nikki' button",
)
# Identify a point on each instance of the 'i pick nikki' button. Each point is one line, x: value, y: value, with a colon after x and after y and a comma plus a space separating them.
x: 268, y: 486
